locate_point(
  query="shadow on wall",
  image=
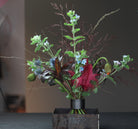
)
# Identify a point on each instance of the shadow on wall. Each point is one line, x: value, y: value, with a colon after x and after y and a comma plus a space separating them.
x: 12, y: 88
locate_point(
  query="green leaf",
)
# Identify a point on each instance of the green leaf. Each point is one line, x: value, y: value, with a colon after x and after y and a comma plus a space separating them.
x: 78, y: 41
x: 79, y: 37
x: 70, y: 53
x: 58, y: 52
x: 76, y: 76
x: 95, y: 90
x: 66, y: 77
x: 76, y: 90
x: 68, y: 37
x: 61, y: 89
x: 71, y: 44
x: 76, y: 30
x: 68, y: 24
x: 51, y: 45
x: 44, y: 39
x: 37, y: 48
x: 131, y: 59
x: 126, y: 66
x: 69, y: 96
x: 110, y: 78
x: 85, y: 94
x: 34, y: 42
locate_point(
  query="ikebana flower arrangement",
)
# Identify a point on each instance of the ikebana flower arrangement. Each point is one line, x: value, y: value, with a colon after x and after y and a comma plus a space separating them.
x: 79, y: 76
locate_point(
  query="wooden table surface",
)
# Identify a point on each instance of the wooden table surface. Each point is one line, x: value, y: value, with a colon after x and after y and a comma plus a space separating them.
x: 110, y: 120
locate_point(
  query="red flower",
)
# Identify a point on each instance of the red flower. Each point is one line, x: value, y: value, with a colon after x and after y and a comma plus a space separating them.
x: 85, y: 79
x: 87, y: 76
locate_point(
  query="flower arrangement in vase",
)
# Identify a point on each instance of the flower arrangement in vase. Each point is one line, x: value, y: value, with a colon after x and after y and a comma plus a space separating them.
x: 79, y: 76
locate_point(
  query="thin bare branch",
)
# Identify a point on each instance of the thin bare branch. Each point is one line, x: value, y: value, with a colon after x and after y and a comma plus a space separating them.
x: 102, y: 18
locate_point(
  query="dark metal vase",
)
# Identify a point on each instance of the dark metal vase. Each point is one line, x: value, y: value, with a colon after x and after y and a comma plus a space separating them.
x: 77, y: 103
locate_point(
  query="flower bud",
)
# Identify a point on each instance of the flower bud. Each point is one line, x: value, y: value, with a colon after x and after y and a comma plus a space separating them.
x: 31, y: 77
x: 108, y: 68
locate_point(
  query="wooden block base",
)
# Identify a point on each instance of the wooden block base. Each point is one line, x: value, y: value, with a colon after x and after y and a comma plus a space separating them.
x: 63, y: 120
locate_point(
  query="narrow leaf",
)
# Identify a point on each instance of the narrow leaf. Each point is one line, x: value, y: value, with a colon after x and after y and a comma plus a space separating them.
x: 44, y: 39
x: 79, y: 37
x: 58, y: 52
x: 110, y: 78
x: 68, y: 37
x: 79, y: 41
x: 67, y: 24
x: 76, y: 76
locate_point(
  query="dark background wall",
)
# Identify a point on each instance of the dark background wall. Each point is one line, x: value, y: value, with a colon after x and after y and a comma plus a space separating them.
x: 122, y: 25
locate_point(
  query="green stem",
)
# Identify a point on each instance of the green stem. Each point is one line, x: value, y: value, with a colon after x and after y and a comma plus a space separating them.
x: 74, y: 38
x: 72, y: 111
x: 58, y: 82
x: 79, y: 111
x: 49, y: 52
x: 99, y: 60
x: 70, y: 89
x: 82, y: 111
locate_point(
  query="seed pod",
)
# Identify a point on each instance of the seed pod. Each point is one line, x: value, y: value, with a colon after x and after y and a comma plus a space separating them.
x: 31, y: 77
x: 108, y: 68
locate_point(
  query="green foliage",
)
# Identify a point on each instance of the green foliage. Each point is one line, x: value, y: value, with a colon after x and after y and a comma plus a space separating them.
x: 61, y: 89
x: 95, y: 90
x: 69, y: 53
x: 58, y: 52
x: 76, y: 75
x: 79, y: 56
x: 110, y: 78
x: 84, y: 94
x: 68, y: 37
x: 69, y: 96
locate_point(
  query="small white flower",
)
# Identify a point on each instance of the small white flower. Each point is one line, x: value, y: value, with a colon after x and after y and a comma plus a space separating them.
x: 37, y: 37
x: 74, y: 20
x: 116, y: 62
x: 46, y: 43
x: 77, y: 16
x: 124, y: 56
x: 83, y: 61
x: 77, y: 57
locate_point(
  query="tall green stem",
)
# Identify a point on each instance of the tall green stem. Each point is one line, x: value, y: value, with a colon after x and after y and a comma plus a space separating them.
x: 74, y: 38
